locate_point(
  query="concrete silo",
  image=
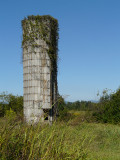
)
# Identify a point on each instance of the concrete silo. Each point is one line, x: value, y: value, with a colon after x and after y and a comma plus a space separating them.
x: 40, y: 42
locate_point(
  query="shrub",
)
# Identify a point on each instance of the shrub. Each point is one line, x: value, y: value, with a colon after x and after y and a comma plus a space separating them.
x: 108, y: 109
x: 62, y: 110
x: 10, y: 101
x: 10, y: 115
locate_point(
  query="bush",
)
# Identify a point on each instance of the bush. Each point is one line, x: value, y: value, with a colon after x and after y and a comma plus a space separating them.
x: 108, y: 109
x: 10, y: 115
x: 10, y: 101
x: 62, y: 109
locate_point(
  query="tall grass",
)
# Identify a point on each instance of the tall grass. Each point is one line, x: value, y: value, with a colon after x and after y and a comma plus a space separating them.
x: 72, y: 140
x: 59, y: 141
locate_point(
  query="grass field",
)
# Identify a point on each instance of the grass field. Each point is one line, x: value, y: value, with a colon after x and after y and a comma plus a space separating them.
x: 76, y: 139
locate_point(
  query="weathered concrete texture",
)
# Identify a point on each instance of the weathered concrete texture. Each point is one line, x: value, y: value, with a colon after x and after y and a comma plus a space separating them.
x: 40, y: 93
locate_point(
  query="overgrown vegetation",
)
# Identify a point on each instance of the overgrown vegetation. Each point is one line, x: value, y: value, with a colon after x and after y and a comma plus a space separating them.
x: 73, y: 139
x: 81, y: 105
x: 44, y: 28
x: 75, y: 135
x: 10, y: 101
x: 59, y: 141
x: 108, y: 108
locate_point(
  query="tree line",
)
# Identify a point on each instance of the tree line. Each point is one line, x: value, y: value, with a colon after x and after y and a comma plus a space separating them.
x: 107, y: 110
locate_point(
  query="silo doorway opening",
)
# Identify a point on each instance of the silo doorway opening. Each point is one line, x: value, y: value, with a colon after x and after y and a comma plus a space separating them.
x: 46, y: 114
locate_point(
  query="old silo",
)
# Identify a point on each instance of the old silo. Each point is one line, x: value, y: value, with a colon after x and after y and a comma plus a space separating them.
x: 40, y: 42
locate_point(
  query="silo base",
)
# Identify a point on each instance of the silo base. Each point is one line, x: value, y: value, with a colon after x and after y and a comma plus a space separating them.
x: 41, y: 115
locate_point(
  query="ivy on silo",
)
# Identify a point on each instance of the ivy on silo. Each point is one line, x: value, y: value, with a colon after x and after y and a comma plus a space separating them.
x: 45, y: 28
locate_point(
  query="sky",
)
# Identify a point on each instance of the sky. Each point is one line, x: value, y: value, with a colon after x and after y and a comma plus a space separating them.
x: 89, y: 45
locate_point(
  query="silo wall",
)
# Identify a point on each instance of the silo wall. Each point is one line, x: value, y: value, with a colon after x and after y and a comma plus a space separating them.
x: 39, y: 68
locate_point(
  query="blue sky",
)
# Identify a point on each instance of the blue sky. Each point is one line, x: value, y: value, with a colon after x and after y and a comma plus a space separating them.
x: 89, y: 45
